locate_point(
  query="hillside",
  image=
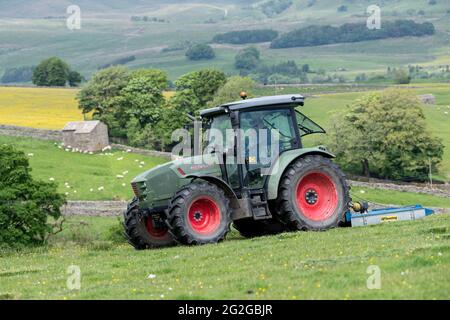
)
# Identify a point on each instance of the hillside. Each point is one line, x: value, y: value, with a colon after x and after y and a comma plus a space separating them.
x: 33, y: 30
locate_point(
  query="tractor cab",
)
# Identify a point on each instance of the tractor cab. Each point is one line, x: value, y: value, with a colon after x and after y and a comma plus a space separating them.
x: 263, y: 129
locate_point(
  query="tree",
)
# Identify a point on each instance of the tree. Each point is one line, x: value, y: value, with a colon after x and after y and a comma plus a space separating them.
x: 102, y: 96
x: 402, y: 77
x: 230, y: 91
x: 385, y: 133
x: 142, y: 100
x: 247, y: 59
x: 203, y: 84
x: 51, y: 72
x: 175, y: 117
x: 157, y: 78
x: 306, y: 68
x: 74, y: 78
x: 200, y: 52
x: 195, y: 91
x: 25, y: 204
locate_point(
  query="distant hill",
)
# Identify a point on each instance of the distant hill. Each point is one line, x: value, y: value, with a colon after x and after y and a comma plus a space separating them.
x: 157, y: 33
x: 56, y: 8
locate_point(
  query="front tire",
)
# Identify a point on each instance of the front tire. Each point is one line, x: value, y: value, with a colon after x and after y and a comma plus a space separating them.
x: 199, y: 214
x: 142, y: 233
x: 313, y: 195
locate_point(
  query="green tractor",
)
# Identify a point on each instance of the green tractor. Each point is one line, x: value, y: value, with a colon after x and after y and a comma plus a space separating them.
x: 195, y: 203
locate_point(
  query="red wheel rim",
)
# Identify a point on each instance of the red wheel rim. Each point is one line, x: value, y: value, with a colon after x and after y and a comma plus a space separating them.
x: 156, y: 233
x: 317, y: 196
x: 204, y: 215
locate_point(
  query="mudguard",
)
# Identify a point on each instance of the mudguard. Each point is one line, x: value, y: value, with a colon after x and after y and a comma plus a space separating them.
x: 286, y: 159
x: 238, y: 211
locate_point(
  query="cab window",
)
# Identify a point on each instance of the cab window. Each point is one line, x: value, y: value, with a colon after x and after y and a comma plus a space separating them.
x: 307, y: 126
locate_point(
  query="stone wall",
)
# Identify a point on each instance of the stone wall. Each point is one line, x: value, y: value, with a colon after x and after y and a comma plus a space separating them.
x: 15, y: 131
x: 94, y: 208
x: 144, y: 152
x: 435, y: 191
x: 56, y: 135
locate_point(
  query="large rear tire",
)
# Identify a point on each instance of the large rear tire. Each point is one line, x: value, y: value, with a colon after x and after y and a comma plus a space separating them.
x: 142, y: 232
x: 313, y: 195
x: 199, y: 214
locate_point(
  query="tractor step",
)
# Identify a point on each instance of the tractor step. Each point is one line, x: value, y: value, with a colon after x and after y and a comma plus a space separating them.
x: 259, y: 205
x: 388, y: 215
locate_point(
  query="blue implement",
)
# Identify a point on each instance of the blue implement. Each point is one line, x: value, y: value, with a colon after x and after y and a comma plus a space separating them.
x: 380, y: 216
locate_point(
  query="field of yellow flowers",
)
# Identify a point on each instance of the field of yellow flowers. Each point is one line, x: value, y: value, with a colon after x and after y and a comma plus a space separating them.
x: 43, y: 108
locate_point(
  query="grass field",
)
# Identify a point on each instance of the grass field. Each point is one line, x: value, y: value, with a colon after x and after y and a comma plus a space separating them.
x: 413, y: 258
x: 85, y: 174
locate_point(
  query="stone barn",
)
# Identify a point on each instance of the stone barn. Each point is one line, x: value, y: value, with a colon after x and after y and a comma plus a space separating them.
x: 89, y: 136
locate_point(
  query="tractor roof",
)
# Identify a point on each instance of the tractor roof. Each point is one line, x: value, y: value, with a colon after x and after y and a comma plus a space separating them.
x: 280, y: 100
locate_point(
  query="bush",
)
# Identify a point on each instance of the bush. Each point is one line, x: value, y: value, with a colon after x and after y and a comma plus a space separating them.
x: 247, y: 59
x: 26, y: 205
x: 402, y: 77
x: 200, y: 52
x: 385, y: 134
x: 116, y: 234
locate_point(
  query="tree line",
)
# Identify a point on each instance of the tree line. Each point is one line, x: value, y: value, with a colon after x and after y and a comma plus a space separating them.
x: 246, y: 36
x: 351, y: 32
x: 321, y: 35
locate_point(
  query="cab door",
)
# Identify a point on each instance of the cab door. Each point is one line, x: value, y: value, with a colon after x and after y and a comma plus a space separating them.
x: 265, y: 133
